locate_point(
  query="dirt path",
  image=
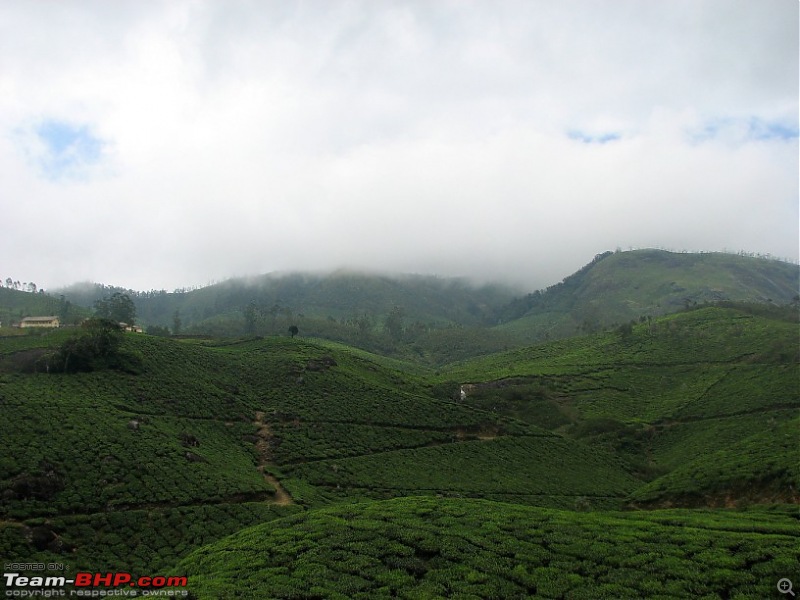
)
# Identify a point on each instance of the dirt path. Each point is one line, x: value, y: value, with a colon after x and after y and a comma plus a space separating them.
x: 282, y: 497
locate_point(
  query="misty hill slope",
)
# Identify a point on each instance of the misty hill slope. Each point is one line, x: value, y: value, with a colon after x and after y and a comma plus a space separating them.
x: 448, y: 548
x: 661, y: 395
x: 341, y: 295
x: 435, y: 321
x: 618, y: 287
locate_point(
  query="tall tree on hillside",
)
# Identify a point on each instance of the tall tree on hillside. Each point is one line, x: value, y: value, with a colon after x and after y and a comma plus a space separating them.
x: 394, y: 322
x: 118, y: 307
x: 250, y: 317
x: 176, y: 322
x: 293, y: 330
x: 63, y: 308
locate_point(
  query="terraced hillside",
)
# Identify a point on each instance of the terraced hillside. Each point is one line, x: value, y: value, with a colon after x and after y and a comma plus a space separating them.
x: 693, y: 387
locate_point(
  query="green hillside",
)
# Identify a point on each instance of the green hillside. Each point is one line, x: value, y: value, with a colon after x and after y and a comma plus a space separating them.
x: 619, y: 287
x: 360, y: 299
x: 661, y: 395
x: 435, y: 320
x: 16, y: 305
x: 136, y: 464
x: 223, y: 430
x: 445, y: 548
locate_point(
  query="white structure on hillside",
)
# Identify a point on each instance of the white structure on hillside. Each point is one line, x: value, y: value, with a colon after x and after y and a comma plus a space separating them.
x: 40, y: 322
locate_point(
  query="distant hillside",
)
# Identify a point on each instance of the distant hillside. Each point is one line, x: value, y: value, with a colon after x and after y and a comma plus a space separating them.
x: 439, y: 320
x: 16, y: 305
x: 615, y: 288
x: 342, y: 295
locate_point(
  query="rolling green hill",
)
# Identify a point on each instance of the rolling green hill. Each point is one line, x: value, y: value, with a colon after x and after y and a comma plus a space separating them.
x: 619, y: 287
x: 362, y: 299
x: 222, y: 430
x: 688, y: 385
x: 439, y: 320
x: 135, y: 468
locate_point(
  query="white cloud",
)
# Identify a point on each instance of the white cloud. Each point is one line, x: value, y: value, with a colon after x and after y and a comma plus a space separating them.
x: 502, y: 139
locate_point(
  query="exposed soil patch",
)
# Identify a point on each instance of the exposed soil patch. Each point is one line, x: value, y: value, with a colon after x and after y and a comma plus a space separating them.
x: 263, y: 447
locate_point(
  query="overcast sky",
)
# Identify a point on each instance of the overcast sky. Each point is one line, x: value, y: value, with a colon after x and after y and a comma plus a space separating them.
x: 169, y: 144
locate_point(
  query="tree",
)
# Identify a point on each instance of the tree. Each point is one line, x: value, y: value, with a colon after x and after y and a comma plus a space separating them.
x: 250, y: 317
x: 176, y: 322
x: 394, y: 322
x: 96, y: 347
x: 63, y: 308
x: 293, y: 330
x: 118, y: 308
x: 158, y: 330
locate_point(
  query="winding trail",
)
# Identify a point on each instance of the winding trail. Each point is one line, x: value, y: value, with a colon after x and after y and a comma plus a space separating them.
x: 264, y: 434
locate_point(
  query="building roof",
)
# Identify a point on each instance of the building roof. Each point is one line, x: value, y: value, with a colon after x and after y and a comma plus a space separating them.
x: 29, y: 319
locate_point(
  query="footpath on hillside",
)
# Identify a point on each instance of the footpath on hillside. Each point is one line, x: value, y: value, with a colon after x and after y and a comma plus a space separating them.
x: 264, y: 435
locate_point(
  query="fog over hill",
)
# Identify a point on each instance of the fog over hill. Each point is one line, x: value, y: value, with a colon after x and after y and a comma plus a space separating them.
x: 174, y: 144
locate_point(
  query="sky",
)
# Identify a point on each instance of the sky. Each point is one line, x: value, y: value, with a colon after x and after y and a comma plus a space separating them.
x: 160, y: 145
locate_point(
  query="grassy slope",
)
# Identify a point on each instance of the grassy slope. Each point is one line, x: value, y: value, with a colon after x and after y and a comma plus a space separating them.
x: 127, y: 459
x: 437, y: 548
x: 683, y: 387
x: 628, y: 285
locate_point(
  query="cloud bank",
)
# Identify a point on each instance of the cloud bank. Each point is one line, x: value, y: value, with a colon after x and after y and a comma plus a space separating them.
x: 158, y: 145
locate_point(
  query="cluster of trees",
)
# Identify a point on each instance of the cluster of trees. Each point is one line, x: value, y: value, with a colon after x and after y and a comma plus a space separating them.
x: 96, y: 347
x: 27, y: 286
x: 118, y: 308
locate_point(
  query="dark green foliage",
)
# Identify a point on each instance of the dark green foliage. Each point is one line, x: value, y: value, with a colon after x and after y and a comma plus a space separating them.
x: 524, y: 469
x: 680, y: 387
x: 158, y: 331
x: 436, y: 548
x: 763, y: 466
x: 96, y: 347
x: 118, y: 307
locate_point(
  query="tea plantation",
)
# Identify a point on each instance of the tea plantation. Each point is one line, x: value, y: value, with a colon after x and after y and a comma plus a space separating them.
x: 445, y: 548
x: 662, y: 460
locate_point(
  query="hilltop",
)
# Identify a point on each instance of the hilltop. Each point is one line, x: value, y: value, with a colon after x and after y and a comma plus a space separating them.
x: 618, y: 287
